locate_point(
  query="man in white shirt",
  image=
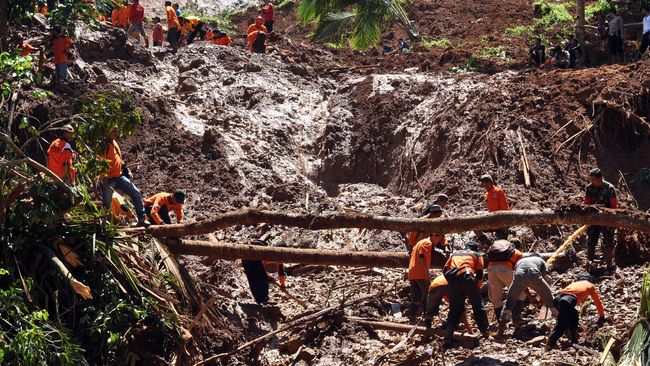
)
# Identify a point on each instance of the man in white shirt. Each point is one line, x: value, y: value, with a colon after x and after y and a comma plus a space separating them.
x: 645, y: 41
x: 615, y: 38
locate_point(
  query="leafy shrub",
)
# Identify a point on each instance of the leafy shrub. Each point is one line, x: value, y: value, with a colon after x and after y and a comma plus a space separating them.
x: 443, y: 43
x: 552, y: 13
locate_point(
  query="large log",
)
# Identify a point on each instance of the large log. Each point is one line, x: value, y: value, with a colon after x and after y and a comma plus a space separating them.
x: 467, y: 340
x: 572, y: 215
x: 295, y: 255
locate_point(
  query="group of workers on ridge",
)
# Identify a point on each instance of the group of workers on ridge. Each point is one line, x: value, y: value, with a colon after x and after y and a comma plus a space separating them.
x: 507, y: 268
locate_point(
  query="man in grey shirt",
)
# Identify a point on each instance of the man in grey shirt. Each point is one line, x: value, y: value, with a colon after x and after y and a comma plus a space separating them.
x: 615, y: 37
x: 529, y: 273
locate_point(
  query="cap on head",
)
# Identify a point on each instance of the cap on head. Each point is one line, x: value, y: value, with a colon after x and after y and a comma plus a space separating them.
x: 584, y: 276
x: 486, y: 178
x: 67, y: 128
x: 442, y: 197
x: 179, y: 196
x: 471, y: 245
x: 259, y: 19
x: 280, y: 244
x: 431, y: 209
x: 595, y: 172
x: 259, y: 242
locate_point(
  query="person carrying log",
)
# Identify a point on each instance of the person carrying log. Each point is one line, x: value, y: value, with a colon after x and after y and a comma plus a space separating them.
x: 419, y: 278
x: 495, y: 200
x: 60, y: 155
x: 413, y: 237
x: 600, y: 192
x: 568, y: 317
x: 502, y: 256
x: 161, y: 204
x: 464, y: 272
x: 438, y: 291
x: 529, y: 273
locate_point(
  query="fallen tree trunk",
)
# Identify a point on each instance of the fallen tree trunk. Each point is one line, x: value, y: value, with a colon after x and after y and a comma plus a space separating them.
x: 467, y: 340
x: 296, y: 255
x: 572, y: 215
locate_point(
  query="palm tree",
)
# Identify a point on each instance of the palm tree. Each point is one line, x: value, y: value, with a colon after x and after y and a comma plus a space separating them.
x: 359, y: 21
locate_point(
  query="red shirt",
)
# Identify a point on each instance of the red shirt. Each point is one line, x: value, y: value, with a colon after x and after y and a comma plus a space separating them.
x: 268, y: 10
x: 136, y: 12
x: 157, y: 33
x: 583, y: 289
x: 496, y: 200
x: 60, y: 47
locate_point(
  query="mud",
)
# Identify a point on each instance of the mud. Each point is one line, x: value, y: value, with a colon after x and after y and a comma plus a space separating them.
x: 292, y: 130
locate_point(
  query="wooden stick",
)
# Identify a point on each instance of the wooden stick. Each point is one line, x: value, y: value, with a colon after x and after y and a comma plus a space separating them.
x: 467, y: 340
x: 524, y: 160
x: 566, y: 244
x: 568, y: 215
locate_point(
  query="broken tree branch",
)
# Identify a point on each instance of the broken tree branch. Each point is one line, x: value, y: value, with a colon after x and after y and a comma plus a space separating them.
x: 467, y: 340
x: 295, y: 255
x: 78, y: 287
x: 570, y: 215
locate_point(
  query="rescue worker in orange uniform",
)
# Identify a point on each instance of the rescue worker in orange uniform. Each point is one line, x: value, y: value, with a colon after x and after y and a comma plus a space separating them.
x: 464, y: 272
x: 418, y: 276
x: 60, y: 155
x: 119, y: 207
x: 115, y: 16
x: 221, y: 39
x: 568, y: 317
x: 118, y: 177
x: 60, y: 47
x: 413, y: 237
x: 438, y: 291
x: 26, y: 49
x: 502, y: 257
x: 209, y: 35
x: 190, y: 27
x: 123, y: 17
x: 496, y: 200
x: 257, y: 26
x: 600, y: 192
x: 277, y: 267
x: 268, y: 11
x: 257, y: 41
x: 161, y: 204
x: 173, y: 26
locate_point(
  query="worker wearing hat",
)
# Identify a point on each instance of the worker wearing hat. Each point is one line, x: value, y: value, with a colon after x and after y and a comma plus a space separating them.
x: 441, y: 200
x: 161, y: 204
x: 464, y: 272
x: 60, y: 155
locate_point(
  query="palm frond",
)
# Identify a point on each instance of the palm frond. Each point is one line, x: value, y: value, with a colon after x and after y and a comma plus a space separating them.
x: 333, y: 27
x: 367, y: 29
x: 637, y: 350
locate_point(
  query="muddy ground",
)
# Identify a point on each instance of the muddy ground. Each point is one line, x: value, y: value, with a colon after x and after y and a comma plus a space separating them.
x: 291, y: 130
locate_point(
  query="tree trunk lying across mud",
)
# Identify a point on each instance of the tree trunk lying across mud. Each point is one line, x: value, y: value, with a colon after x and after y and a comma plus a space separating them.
x: 295, y: 255
x: 571, y: 215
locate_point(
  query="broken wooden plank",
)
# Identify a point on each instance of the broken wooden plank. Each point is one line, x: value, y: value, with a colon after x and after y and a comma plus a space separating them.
x: 524, y: 160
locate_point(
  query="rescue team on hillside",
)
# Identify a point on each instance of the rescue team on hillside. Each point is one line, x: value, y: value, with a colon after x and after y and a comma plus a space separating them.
x: 507, y: 268
x: 185, y: 28
x: 609, y: 29
x: 462, y: 275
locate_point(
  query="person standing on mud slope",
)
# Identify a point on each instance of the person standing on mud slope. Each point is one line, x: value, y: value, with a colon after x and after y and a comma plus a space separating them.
x: 419, y: 278
x: 615, y: 39
x: 464, y: 272
x: 600, y: 192
x: 60, y: 47
x: 136, y: 16
x: 496, y: 200
x: 60, y: 155
x: 117, y: 177
x: 173, y: 26
x: 268, y: 11
x: 568, y: 317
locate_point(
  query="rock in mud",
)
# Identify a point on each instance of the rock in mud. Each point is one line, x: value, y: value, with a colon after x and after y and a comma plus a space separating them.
x: 192, y: 65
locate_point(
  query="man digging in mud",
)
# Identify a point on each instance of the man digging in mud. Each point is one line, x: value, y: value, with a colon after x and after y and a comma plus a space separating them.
x: 464, y: 272
x: 502, y: 257
x: 600, y: 192
x: 161, y: 204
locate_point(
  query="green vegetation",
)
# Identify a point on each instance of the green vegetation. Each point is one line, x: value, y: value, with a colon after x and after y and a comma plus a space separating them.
x: 285, y: 3
x: 15, y: 70
x: 496, y: 52
x: 443, y: 43
x: 471, y: 66
x: 518, y: 31
x: 553, y: 13
x: 599, y: 7
x: 69, y: 12
x: 357, y: 22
